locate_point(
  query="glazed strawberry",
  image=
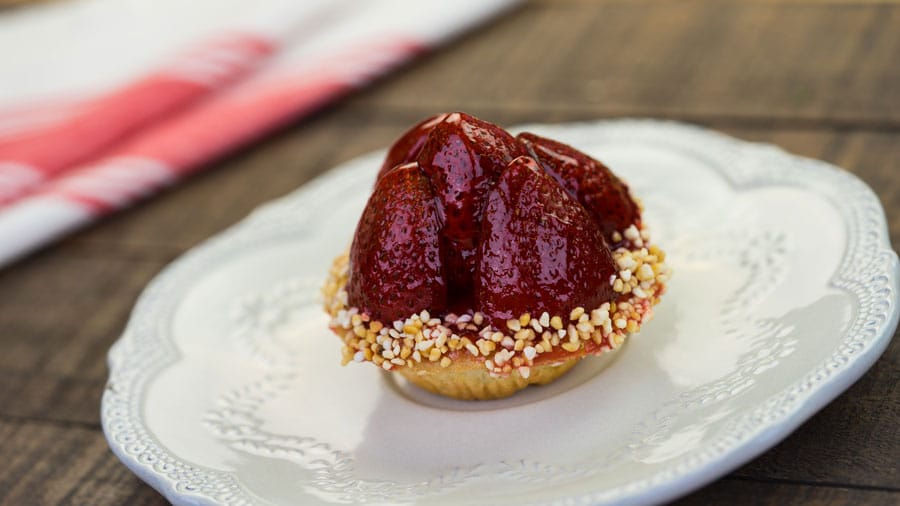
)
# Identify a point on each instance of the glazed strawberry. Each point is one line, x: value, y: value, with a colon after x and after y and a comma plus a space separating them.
x: 462, y: 157
x: 590, y: 182
x: 408, y: 146
x: 395, y: 260
x: 540, y: 250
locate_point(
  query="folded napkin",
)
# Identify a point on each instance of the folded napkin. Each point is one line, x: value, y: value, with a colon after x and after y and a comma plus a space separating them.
x: 106, y: 102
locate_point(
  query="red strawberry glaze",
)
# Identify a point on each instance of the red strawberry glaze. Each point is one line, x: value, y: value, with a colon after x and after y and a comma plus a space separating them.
x: 603, y: 194
x: 540, y: 250
x: 396, y: 254
x: 408, y: 146
x: 462, y: 157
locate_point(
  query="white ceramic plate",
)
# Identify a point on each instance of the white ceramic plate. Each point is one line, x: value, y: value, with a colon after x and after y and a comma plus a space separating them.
x: 226, y: 386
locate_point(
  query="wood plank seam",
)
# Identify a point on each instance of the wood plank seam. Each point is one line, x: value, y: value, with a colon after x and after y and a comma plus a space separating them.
x: 735, y: 121
x: 25, y: 420
x: 809, y: 483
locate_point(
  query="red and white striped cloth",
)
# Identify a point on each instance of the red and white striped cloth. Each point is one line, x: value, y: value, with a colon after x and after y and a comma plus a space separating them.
x: 65, y: 162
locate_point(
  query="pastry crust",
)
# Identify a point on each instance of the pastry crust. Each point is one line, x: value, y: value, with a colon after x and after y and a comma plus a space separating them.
x: 468, y: 380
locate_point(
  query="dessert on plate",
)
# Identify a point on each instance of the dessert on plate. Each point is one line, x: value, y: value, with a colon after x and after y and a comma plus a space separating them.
x: 485, y: 262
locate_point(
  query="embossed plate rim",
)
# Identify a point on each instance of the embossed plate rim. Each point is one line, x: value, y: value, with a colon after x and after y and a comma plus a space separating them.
x: 137, y: 356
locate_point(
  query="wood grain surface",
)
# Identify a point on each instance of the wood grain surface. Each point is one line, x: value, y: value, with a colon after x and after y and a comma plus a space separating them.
x: 820, y: 79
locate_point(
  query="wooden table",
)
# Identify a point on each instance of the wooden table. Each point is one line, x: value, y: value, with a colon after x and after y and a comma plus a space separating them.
x: 821, y: 79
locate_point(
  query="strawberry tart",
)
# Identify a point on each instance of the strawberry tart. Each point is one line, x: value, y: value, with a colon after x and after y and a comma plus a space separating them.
x: 486, y: 262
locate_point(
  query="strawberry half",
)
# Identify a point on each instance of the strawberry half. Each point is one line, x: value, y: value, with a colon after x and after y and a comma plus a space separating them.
x: 590, y: 182
x: 408, y: 146
x: 395, y: 259
x: 462, y: 157
x: 540, y: 250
